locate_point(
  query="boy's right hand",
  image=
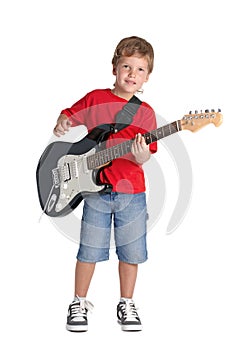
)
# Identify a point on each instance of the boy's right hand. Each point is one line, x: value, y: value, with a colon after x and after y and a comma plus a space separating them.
x: 63, y: 125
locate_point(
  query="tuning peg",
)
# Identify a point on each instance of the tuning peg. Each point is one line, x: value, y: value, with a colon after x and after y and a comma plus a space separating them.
x: 196, y: 111
x: 212, y: 110
x: 190, y: 112
x: 207, y: 111
x: 219, y: 110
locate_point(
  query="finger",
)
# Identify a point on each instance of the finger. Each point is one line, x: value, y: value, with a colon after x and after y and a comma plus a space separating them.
x: 138, y: 138
x: 66, y: 124
x: 137, y: 148
x: 58, y: 131
x: 143, y: 141
x: 134, y: 148
x: 62, y: 126
x: 137, y: 143
x: 144, y: 145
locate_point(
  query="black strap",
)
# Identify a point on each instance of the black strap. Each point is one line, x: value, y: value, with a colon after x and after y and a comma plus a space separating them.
x: 123, y: 119
x: 125, y: 116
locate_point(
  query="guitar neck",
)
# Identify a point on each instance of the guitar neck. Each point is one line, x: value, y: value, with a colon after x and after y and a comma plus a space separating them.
x: 107, y: 155
x: 162, y: 132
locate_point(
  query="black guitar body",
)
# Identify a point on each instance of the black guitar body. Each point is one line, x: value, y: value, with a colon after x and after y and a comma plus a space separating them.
x: 56, y: 199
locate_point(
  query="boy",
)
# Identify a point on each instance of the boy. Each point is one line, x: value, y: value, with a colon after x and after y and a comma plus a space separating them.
x: 126, y: 204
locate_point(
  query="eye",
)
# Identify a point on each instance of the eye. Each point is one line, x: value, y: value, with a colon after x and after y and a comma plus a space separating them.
x: 141, y: 69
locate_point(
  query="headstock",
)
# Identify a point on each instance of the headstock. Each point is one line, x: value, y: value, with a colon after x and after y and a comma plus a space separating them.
x: 196, y: 121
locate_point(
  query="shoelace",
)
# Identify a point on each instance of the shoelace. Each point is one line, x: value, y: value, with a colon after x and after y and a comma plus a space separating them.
x: 129, y: 310
x: 79, y: 307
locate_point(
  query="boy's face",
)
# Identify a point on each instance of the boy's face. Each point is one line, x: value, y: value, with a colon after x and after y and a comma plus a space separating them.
x: 131, y: 73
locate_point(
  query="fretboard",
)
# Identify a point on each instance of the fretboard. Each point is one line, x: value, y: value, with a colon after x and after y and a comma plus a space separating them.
x: 107, y: 155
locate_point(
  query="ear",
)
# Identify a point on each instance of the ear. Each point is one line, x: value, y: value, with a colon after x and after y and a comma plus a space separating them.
x: 114, y: 70
x: 147, y: 78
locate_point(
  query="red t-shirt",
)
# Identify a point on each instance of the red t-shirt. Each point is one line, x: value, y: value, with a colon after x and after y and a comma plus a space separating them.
x: 100, y: 107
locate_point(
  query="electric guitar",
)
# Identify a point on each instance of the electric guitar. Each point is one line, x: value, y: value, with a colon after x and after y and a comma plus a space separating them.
x: 67, y: 172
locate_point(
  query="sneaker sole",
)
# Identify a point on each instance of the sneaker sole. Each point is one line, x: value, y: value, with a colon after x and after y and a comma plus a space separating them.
x: 76, y: 328
x: 130, y: 327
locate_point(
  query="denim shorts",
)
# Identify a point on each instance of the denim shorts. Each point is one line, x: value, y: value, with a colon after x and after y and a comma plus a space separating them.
x: 116, y: 218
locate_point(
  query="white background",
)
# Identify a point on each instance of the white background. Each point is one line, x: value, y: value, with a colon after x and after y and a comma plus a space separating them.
x: 52, y: 53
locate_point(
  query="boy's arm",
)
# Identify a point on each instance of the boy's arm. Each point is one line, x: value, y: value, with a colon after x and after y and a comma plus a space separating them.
x: 63, y: 125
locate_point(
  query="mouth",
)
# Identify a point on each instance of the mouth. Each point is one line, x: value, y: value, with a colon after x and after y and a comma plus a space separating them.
x: 130, y: 82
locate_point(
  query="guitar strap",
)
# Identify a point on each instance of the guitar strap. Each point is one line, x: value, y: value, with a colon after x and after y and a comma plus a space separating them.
x: 125, y: 116
x: 123, y: 119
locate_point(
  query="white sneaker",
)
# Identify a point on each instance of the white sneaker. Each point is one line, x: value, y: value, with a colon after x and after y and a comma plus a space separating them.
x: 77, y: 315
x: 127, y: 316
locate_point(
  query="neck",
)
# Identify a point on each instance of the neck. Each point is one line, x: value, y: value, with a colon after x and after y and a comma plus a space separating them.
x: 125, y: 95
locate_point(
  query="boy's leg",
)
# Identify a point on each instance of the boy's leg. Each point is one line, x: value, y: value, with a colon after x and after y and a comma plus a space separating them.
x: 77, y: 312
x: 83, y: 275
x: 126, y: 311
x: 128, y: 276
x: 95, y: 238
x: 130, y: 237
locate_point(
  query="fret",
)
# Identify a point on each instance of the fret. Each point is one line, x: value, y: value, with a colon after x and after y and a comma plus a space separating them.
x: 90, y: 162
x: 120, y: 148
x: 178, y: 125
x: 116, y: 151
x: 147, y: 137
x: 154, y: 136
x: 163, y: 130
x: 110, y: 154
x: 150, y: 137
x: 128, y: 146
x: 100, y: 158
x: 159, y: 133
x: 167, y: 130
x: 96, y: 161
x: 169, y: 126
x: 175, y: 127
x: 104, y: 156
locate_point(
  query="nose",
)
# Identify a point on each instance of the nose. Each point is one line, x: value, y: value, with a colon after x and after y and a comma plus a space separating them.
x: 132, y: 72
